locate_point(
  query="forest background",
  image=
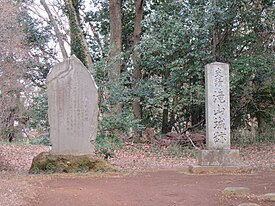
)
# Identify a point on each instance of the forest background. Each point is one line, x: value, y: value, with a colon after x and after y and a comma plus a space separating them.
x: 148, y: 60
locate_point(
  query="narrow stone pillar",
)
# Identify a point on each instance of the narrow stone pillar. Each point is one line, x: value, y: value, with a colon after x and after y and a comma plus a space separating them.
x: 217, y: 106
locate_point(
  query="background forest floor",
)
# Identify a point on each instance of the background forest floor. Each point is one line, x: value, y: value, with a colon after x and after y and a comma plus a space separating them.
x: 15, y: 160
x: 138, y: 157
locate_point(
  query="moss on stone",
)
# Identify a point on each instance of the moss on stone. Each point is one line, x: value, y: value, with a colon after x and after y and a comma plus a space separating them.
x: 47, y: 163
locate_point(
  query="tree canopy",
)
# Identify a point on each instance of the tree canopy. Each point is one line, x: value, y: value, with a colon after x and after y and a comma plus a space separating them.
x: 148, y: 57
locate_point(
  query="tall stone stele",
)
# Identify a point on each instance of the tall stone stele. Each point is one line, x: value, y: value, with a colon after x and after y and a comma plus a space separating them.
x: 217, y: 107
x: 73, y: 108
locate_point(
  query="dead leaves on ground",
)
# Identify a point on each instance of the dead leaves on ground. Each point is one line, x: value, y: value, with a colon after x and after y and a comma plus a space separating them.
x: 138, y: 157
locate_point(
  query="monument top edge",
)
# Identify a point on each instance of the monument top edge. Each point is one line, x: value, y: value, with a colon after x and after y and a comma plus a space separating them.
x: 214, y: 63
x: 56, y: 70
x: 75, y: 57
x: 72, y: 57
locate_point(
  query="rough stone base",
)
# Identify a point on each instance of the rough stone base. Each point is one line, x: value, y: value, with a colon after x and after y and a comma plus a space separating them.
x: 268, y: 197
x: 236, y: 191
x: 46, y: 163
x: 241, y: 169
x: 226, y: 157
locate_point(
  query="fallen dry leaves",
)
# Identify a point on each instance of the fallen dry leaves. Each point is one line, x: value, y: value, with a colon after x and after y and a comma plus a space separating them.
x: 17, y: 158
x: 260, y: 156
x: 144, y: 158
x: 15, y: 161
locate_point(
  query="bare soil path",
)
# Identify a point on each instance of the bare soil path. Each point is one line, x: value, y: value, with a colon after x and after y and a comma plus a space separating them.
x: 144, y: 180
x: 159, y: 188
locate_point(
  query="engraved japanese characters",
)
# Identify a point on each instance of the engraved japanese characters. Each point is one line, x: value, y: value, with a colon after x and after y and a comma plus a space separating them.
x: 217, y: 106
x: 73, y: 108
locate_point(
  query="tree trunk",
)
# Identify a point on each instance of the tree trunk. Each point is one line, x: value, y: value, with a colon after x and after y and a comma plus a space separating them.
x: 260, y: 121
x: 96, y: 35
x: 196, y: 114
x: 171, y: 121
x: 116, y: 44
x: 56, y: 29
x: 165, y: 128
x: 79, y: 45
x: 165, y: 113
x: 137, y: 109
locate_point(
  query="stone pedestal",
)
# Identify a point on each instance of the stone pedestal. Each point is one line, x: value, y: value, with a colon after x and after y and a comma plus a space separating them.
x: 226, y: 157
x: 217, y: 107
x: 218, y: 156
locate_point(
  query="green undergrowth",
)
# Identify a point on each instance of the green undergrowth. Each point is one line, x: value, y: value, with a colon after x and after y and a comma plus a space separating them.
x: 46, y: 163
x: 16, y: 142
x: 41, y: 140
x: 174, y: 150
x: 107, y: 144
x: 245, y: 137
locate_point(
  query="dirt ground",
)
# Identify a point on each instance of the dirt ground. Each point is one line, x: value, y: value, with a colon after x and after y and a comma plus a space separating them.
x: 161, y: 185
x: 159, y: 188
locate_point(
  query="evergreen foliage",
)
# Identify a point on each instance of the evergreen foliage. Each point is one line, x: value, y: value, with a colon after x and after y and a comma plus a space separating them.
x: 178, y: 39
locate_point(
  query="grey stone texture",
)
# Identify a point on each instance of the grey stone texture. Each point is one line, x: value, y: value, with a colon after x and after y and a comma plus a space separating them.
x: 217, y: 104
x: 73, y: 108
x: 248, y: 204
x: 237, y: 191
x: 226, y: 157
x: 268, y: 197
x: 217, y: 107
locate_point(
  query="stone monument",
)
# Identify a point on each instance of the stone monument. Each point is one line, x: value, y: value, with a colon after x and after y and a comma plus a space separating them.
x: 73, y: 108
x: 217, y: 105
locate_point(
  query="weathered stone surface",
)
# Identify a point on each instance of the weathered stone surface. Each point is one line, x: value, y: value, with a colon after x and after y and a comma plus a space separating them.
x: 237, y: 191
x: 217, y: 106
x: 269, y: 197
x: 228, y: 157
x: 47, y: 163
x: 73, y: 108
x: 197, y: 169
x: 248, y: 204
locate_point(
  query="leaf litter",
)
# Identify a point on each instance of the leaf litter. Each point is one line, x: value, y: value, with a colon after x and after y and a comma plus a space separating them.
x: 15, y: 161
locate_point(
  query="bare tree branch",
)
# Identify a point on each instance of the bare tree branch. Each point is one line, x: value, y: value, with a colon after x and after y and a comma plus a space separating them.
x: 56, y: 29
